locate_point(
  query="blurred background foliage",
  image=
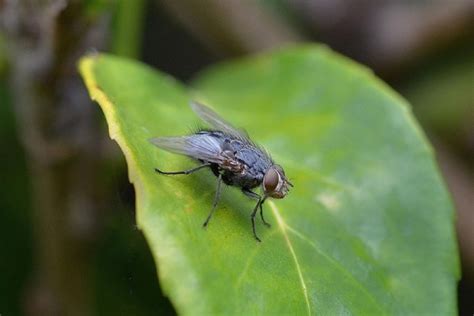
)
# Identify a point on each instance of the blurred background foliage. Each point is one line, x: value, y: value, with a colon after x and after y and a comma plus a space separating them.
x: 67, y: 234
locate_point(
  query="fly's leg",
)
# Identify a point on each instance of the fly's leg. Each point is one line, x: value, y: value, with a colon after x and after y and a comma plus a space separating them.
x: 261, y: 215
x: 255, y: 196
x: 216, y: 200
x: 252, y: 217
x: 184, y: 171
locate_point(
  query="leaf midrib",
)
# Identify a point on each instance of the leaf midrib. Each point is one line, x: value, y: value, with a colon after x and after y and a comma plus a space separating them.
x: 282, y: 225
x: 330, y: 259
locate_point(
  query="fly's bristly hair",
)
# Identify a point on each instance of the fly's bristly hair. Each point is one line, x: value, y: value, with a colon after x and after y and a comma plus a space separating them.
x: 196, y: 128
x: 245, y: 140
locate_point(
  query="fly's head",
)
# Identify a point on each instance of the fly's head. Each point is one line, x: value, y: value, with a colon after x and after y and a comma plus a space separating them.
x: 275, y: 184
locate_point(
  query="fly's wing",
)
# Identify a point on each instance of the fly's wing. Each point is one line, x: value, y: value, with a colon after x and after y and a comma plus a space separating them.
x: 213, y: 119
x: 202, y: 147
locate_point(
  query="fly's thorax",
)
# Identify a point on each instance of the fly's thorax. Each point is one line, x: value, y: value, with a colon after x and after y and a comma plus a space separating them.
x: 275, y: 183
x: 230, y: 163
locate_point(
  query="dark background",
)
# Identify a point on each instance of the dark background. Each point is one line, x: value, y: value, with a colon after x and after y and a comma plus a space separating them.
x: 67, y: 229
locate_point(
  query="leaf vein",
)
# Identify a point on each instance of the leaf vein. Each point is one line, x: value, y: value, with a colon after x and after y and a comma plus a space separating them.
x: 283, y: 226
x: 337, y: 264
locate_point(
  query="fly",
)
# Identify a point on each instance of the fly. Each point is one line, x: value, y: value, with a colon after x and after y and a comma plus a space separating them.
x: 232, y: 157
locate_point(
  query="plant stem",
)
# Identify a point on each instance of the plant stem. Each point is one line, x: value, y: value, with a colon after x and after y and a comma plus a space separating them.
x: 60, y: 135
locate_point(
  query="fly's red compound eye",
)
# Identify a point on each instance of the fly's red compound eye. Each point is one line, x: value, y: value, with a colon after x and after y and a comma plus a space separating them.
x: 271, y: 180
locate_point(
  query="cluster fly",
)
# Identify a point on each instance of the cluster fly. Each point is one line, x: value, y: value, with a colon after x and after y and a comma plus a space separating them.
x: 232, y: 157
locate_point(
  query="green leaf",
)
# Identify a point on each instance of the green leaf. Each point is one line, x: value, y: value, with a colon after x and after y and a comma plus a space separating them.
x: 367, y: 229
